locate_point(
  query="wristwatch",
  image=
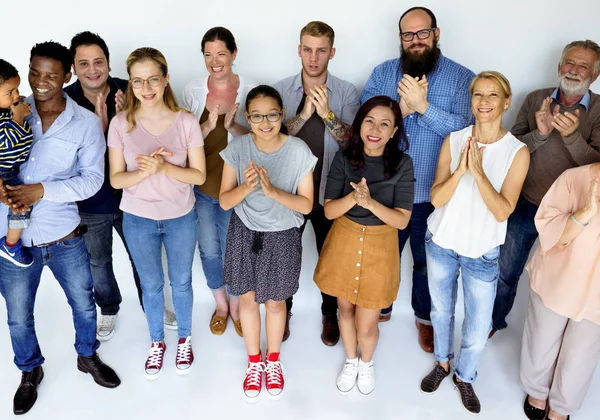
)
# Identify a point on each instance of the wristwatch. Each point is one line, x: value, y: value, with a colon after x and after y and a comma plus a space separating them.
x: 329, y: 117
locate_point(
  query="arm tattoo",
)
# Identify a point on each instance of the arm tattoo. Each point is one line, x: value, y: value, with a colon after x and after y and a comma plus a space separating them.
x: 340, y: 131
x: 294, y: 125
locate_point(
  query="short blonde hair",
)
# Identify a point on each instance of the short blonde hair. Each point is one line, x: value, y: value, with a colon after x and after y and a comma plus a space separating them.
x: 317, y: 28
x: 496, y: 77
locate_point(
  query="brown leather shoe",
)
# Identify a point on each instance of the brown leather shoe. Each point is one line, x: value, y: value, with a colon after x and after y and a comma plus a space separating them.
x: 385, y: 317
x: 494, y: 331
x: 425, y: 336
x: 286, y: 331
x: 331, y: 330
x: 218, y: 324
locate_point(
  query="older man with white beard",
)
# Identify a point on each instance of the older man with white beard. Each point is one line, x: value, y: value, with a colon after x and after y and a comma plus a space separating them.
x: 561, y: 127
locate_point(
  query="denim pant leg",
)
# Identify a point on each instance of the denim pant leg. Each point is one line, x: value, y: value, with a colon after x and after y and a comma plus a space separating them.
x: 442, y: 266
x: 144, y: 240
x: 99, y: 243
x: 70, y: 263
x: 479, y: 279
x: 16, y: 220
x: 118, y: 225
x: 18, y: 286
x: 179, y: 237
x: 213, y: 222
x: 520, y: 237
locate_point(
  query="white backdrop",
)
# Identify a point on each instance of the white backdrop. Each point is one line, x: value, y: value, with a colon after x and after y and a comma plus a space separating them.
x: 521, y: 38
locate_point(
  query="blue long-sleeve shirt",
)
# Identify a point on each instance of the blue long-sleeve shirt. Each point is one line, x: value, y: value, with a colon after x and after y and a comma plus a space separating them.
x: 68, y: 160
x: 449, y: 110
x: 15, y: 142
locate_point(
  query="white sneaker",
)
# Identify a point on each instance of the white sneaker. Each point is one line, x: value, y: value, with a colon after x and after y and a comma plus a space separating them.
x: 169, y: 320
x: 105, y: 327
x: 366, y: 377
x: 347, y: 377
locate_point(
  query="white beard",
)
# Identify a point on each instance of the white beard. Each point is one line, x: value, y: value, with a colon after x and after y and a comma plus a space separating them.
x: 571, y: 88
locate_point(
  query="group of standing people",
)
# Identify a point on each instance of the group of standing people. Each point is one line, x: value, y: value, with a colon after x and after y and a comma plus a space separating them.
x: 239, y: 169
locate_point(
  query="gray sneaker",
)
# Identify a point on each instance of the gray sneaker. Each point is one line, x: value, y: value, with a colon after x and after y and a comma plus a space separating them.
x: 105, y: 327
x: 467, y: 396
x: 169, y: 320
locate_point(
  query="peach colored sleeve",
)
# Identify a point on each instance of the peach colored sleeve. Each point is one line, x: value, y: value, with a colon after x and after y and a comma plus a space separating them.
x: 554, y: 212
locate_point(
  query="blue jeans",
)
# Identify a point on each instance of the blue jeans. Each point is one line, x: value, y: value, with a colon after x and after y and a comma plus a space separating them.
x: 70, y: 264
x: 99, y: 243
x: 213, y: 222
x: 421, y: 302
x: 520, y: 237
x: 145, y: 238
x: 479, y: 280
x: 15, y: 220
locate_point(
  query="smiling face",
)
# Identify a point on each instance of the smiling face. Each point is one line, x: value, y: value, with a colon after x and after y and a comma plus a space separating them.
x: 488, y: 101
x: 148, y: 72
x: 266, y: 129
x: 576, y: 71
x: 9, y: 92
x: 315, y: 53
x: 218, y: 59
x: 46, y: 78
x: 377, y: 128
x: 91, y: 67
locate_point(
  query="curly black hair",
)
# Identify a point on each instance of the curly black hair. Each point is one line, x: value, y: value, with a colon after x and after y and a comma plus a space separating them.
x: 7, y: 71
x: 55, y: 51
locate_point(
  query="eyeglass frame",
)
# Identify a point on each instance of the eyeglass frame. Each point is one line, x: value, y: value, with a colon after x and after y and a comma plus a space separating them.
x: 144, y: 81
x: 429, y: 32
x: 249, y: 117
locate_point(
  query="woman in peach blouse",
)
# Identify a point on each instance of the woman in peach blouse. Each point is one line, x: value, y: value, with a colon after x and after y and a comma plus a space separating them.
x: 561, y: 342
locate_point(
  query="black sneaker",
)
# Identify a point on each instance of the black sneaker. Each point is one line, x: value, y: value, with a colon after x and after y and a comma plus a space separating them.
x: 467, y: 396
x: 432, y: 381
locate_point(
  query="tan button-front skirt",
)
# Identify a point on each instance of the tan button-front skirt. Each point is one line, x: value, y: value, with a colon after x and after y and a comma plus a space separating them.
x: 360, y: 264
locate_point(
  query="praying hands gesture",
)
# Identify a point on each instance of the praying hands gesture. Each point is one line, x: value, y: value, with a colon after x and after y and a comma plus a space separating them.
x: 413, y: 95
x: 319, y: 97
x: 250, y: 177
x: 471, y: 160
x: 269, y: 190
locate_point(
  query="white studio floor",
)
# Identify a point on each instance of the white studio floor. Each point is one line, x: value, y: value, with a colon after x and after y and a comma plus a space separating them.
x: 213, y: 389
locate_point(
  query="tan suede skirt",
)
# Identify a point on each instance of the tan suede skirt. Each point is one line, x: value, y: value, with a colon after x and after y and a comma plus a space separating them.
x: 360, y: 264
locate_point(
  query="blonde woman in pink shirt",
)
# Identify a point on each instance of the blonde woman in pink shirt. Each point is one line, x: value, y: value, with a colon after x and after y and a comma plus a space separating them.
x: 561, y: 342
x: 156, y: 156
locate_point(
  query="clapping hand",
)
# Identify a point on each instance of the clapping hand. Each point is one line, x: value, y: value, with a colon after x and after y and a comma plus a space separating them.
x: 320, y: 99
x: 362, y: 195
x: 269, y: 190
x: 414, y: 94
x: 475, y: 159
x: 230, y: 117
x: 250, y: 177
x: 153, y: 163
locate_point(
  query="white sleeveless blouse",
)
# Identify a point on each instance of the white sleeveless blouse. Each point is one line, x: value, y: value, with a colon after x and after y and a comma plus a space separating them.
x: 465, y: 224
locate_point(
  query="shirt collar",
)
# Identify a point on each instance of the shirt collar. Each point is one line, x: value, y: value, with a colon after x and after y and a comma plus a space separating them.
x: 72, y: 110
x: 297, y: 83
x: 585, y: 101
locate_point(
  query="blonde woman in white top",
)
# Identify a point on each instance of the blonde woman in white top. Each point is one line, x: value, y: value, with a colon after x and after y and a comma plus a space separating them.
x: 215, y: 100
x: 480, y: 173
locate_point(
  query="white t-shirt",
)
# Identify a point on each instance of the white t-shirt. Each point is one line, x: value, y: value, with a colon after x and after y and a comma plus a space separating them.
x: 465, y: 224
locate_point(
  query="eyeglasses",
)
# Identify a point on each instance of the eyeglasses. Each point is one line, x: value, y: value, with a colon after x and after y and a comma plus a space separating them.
x: 271, y: 117
x: 422, y: 34
x: 138, y: 82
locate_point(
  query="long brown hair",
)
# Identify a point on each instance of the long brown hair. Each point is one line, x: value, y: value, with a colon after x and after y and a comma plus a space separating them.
x: 132, y: 104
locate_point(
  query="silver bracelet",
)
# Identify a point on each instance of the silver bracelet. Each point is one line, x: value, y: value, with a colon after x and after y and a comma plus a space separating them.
x: 577, y: 221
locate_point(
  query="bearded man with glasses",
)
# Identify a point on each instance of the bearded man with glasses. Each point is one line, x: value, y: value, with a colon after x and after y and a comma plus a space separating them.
x: 561, y: 127
x: 433, y: 92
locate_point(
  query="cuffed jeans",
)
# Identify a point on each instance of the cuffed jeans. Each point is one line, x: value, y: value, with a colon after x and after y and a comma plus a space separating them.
x: 99, y: 243
x: 520, y: 237
x: 479, y: 279
x: 321, y: 226
x: 417, y: 226
x: 145, y: 238
x: 213, y: 222
x: 70, y: 265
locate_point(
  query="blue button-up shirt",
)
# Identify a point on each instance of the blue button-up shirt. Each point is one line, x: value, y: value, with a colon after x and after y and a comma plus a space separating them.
x: 585, y: 100
x: 449, y: 110
x: 68, y: 160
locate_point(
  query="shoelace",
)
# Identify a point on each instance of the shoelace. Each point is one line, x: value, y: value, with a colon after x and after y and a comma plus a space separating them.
x: 349, y: 370
x: 184, y: 351
x: 436, y: 376
x: 254, y: 375
x: 366, y: 372
x: 467, y: 390
x: 274, y: 373
x: 155, y: 355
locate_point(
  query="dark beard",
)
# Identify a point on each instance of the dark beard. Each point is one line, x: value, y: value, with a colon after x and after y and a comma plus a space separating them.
x: 417, y: 65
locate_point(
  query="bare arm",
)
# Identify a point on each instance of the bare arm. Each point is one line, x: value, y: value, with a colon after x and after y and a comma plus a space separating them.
x: 119, y: 177
x: 444, y: 184
x: 232, y: 194
x: 301, y: 202
x: 294, y: 125
x: 340, y: 131
x: 338, y: 207
x: 195, y: 173
x: 397, y: 218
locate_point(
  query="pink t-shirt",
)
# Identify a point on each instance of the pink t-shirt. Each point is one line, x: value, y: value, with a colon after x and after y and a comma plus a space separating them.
x: 158, y: 197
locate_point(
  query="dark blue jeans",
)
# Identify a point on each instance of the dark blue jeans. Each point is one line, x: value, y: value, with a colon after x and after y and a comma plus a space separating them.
x: 70, y: 265
x: 416, y: 229
x: 99, y: 243
x: 520, y: 237
x: 15, y: 220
